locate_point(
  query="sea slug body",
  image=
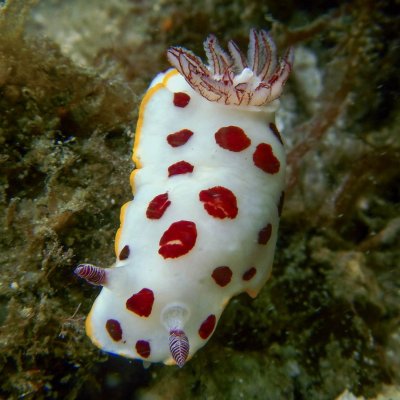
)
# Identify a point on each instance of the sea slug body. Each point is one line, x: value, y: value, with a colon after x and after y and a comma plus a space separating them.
x: 208, y: 189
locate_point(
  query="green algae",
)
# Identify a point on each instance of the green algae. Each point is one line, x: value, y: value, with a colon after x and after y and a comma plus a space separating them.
x: 326, y: 321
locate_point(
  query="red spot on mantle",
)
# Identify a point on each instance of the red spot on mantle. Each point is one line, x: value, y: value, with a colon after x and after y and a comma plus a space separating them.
x: 178, y: 239
x: 141, y: 303
x: 181, y: 167
x: 124, y: 254
x: 232, y: 138
x: 249, y: 274
x: 157, y: 206
x: 265, y: 234
x: 143, y: 348
x: 181, y: 99
x: 265, y: 159
x: 207, y: 326
x: 179, y: 138
x: 219, y: 202
x: 222, y: 276
x: 114, y: 329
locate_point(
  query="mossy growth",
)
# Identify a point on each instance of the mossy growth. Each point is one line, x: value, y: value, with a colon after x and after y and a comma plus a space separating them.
x: 61, y: 129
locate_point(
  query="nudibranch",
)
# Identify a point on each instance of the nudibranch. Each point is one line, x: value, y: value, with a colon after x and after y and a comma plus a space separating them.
x: 208, y: 192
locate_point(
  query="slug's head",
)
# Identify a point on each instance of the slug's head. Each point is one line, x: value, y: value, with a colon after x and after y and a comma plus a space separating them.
x: 233, y: 79
x: 116, y: 329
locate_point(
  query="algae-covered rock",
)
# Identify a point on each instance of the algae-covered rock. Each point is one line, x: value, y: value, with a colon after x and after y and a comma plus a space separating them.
x: 326, y: 324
